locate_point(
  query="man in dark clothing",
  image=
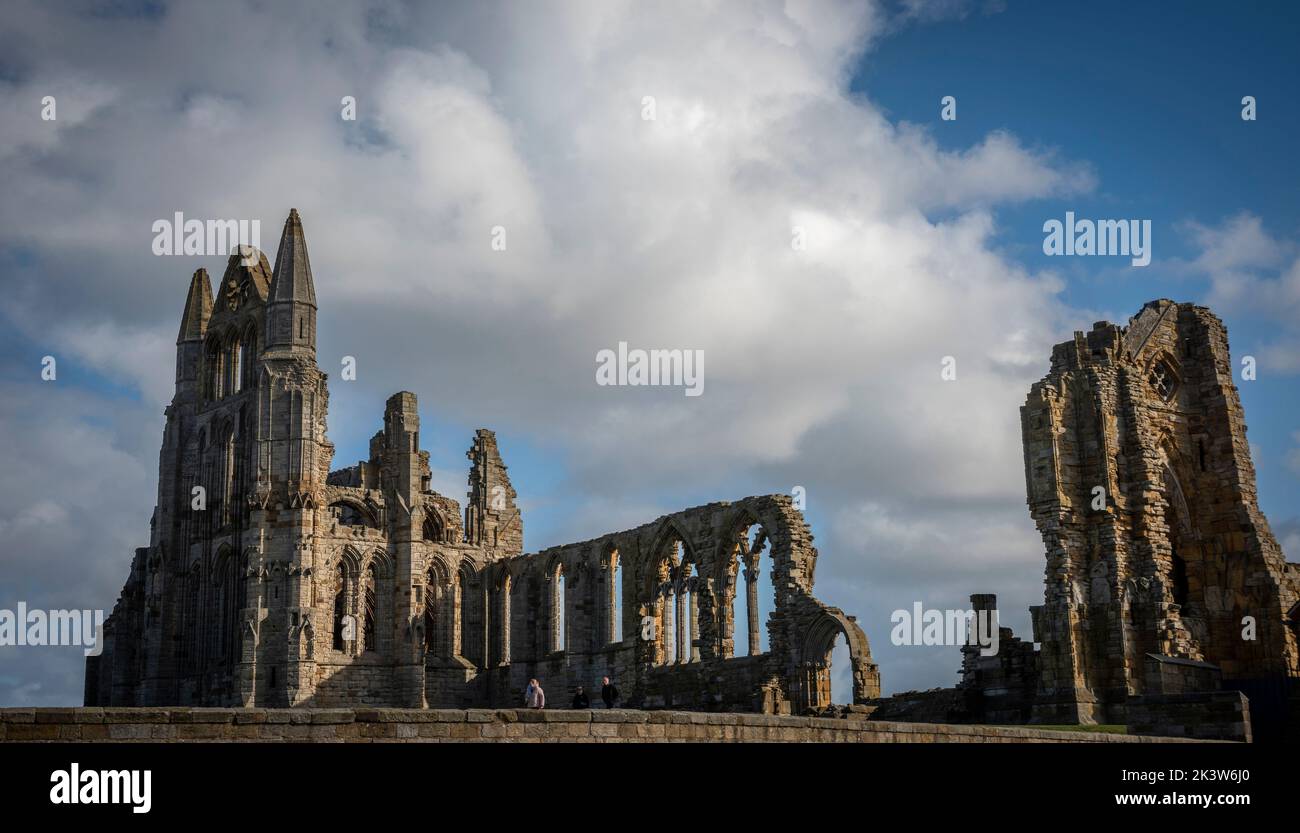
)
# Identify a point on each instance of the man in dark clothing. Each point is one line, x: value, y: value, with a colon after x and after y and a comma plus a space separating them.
x: 608, y: 693
x: 581, y: 700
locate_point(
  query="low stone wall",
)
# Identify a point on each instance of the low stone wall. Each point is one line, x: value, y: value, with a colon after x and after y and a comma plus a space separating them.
x: 1216, y: 715
x: 435, y: 725
x: 938, y: 705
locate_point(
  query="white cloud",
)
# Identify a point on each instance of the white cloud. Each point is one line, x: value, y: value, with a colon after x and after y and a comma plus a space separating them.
x: 1253, y: 273
x: 822, y: 365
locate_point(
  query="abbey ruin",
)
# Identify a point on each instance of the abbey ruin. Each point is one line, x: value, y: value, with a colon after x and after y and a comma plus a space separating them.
x: 1164, y: 586
x: 1140, y: 481
x: 272, y: 581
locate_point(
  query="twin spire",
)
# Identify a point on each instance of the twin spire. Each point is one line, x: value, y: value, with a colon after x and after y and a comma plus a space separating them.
x: 291, y: 282
x: 198, y: 308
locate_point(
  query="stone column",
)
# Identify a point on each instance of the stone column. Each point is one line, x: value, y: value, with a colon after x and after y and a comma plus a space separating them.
x: 751, y: 605
x: 694, y: 589
x: 666, y: 632
x: 353, y: 609
x: 679, y: 598
x: 453, y: 617
x: 611, y: 600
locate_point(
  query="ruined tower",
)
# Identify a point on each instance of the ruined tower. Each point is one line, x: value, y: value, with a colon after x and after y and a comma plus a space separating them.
x: 1140, y: 481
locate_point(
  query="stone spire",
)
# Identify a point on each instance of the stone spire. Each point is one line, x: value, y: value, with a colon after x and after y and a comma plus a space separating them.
x: 291, y: 301
x: 291, y: 280
x: 198, y: 308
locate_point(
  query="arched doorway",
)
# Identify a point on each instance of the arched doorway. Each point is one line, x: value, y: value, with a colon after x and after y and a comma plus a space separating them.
x: 814, y: 683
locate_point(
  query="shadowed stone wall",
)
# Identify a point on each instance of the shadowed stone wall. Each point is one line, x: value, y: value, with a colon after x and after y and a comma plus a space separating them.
x: 508, y: 725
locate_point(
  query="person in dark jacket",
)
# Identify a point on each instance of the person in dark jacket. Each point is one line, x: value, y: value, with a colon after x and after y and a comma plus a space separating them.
x: 608, y: 693
x: 581, y: 700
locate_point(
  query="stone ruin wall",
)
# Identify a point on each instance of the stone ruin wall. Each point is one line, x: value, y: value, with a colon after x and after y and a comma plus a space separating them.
x: 698, y: 554
x: 296, y: 585
x: 1180, y: 552
x: 1166, y: 568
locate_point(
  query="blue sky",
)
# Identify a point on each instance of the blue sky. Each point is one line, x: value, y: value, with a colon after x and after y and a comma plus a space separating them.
x: 1152, y: 107
x: 1149, y: 95
x: 926, y: 241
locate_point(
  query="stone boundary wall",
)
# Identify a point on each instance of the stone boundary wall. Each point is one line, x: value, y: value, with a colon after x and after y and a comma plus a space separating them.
x: 442, y: 725
x: 1218, y: 715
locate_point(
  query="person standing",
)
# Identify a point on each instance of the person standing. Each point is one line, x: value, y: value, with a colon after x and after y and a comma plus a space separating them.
x: 534, y: 696
x: 608, y: 692
x: 580, y: 699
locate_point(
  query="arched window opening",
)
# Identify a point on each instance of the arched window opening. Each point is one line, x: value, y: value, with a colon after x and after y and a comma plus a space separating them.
x: 212, y: 371
x: 349, y: 514
x: 430, y: 613
x: 841, y: 672
x: 372, y: 581
x: 237, y: 366
x: 458, y: 613
x: 248, y: 358
x: 747, y: 571
x: 1178, y: 581
x: 225, y: 512
x: 231, y: 592
x: 341, y: 626
x: 686, y: 614
x: 432, y: 528
x: 669, y: 609
x: 229, y: 354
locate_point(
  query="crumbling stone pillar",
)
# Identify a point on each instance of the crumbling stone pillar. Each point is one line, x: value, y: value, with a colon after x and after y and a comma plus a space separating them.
x: 751, y: 603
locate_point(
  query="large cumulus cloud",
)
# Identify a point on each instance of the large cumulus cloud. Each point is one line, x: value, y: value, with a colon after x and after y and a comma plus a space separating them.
x: 823, y: 362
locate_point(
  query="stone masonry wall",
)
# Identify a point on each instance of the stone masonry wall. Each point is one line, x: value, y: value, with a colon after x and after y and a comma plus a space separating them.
x: 293, y: 584
x: 119, y: 725
x: 1140, y: 481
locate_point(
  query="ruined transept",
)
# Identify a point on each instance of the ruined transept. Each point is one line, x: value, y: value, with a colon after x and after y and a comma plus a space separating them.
x: 272, y: 580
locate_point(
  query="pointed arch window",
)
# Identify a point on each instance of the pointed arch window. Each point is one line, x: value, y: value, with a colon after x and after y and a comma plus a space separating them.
x: 229, y: 373
x: 212, y: 372
x: 342, y: 621
x: 433, y: 528
x: 351, y: 514
x: 246, y: 373
x: 237, y: 366
x: 372, y: 581
x: 674, y: 605
x: 430, y: 614
x: 1163, y: 377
